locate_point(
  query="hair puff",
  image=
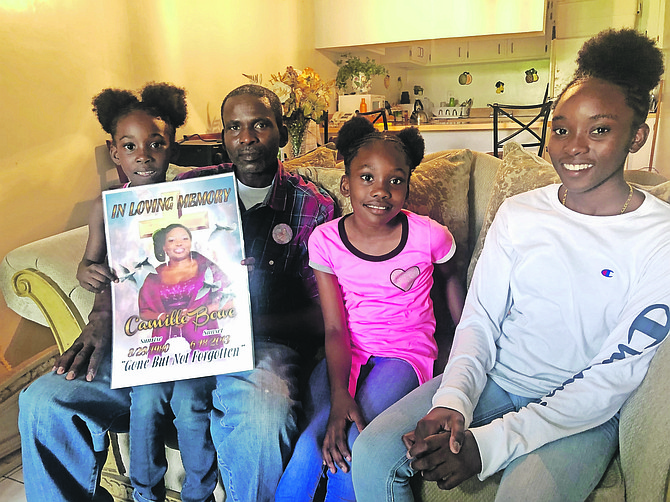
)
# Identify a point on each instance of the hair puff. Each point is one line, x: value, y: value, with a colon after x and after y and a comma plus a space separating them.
x: 158, y: 99
x: 625, y: 57
x: 108, y: 102
x: 167, y: 99
x: 358, y: 132
x: 415, y: 146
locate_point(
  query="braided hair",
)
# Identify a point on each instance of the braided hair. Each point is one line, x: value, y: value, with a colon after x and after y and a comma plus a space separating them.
x: 359, y: 132
x: 160, y: 100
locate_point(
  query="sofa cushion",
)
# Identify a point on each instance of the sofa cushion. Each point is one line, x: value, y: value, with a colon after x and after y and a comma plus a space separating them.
x: 328, y: 179
x: 520, y: 171
x: 439, y: 188
x: 322, y: 156
x: 661, y: 191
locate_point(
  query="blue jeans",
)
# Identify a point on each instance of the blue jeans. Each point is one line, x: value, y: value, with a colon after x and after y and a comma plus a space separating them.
x: 382, y: 382
x: 151, y: 408
x: 255, y: 422
x: 564, y: 470
x: 64, y: 426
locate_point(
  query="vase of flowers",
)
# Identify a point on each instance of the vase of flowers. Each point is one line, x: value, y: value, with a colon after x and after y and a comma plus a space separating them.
x: 358, y: 72
x: 304, y: 96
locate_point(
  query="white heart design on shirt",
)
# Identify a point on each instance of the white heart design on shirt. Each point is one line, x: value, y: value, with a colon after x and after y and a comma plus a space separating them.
x: 404, y: 279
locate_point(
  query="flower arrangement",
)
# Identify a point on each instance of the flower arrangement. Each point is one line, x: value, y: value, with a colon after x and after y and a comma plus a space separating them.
x: 304, y: 96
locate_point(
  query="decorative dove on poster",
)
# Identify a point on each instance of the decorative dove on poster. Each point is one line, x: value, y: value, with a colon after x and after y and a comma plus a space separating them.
x: 224, y: 242
x: 137, y: 272
x: 209, y: 285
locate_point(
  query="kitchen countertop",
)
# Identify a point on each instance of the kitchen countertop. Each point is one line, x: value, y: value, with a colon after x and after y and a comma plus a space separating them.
x: 445, y: 125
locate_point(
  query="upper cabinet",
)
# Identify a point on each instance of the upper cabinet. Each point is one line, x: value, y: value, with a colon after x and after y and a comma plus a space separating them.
x: 654, y: 20
x: 433, y: 32
x: 444, y: 52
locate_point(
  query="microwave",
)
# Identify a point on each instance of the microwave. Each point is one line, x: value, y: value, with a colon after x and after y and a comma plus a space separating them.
x: 352, y: 102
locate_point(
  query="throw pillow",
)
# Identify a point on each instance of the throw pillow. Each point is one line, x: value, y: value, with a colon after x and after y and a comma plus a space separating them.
x: 439, y: 188
x: 520, y: 171
x: 661, y: 191
x: 327, y: 178
x: 319, y: 157
x: 173, y: 170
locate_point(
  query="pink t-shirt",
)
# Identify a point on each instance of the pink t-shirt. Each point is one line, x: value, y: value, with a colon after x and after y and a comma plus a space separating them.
x: 387, y: 298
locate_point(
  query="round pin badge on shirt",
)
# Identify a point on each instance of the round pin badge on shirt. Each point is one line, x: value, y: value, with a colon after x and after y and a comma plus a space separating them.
x: 282, y: 233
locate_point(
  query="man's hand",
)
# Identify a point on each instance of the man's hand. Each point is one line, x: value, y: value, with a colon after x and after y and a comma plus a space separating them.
x: 94, y: 277
x: 436, y: 421
x: 92, y: 345
x: 335, y: 449
x: 440, y: 464
x: 441, y: 450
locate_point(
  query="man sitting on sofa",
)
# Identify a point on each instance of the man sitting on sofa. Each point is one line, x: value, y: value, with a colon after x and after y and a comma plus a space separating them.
x: 64, y: 420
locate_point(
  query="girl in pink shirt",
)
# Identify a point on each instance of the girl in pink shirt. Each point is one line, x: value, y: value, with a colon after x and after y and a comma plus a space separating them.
x: 374, y: 269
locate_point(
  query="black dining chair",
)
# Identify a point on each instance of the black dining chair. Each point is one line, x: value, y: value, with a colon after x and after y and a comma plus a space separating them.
x: 526, y: 122
x: 378, y: 114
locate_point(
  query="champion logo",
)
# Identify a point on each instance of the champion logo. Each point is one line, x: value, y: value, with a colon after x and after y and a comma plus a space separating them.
x: 607, y: 272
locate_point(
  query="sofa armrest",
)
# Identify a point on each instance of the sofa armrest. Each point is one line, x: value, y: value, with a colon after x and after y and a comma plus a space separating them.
x: 38, y: 281
x: 644, y: 441
x: 58, y: 309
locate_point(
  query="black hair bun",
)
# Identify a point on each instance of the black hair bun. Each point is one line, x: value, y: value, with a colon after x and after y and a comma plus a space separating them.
x: 415, y: 146
x: 168, y: 100
x: 353, y: 132
x: 625, y: 57
x: 108, y: 102
x: 161, y: 99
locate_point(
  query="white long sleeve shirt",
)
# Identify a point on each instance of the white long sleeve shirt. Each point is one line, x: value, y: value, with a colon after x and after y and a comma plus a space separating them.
x: 564, y: 307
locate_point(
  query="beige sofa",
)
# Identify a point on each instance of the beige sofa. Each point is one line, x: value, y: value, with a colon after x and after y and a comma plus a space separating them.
x: 459, y: 188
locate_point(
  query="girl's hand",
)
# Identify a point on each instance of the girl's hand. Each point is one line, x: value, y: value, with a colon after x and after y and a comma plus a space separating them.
x: 94, y: 277
x: 335, y: 450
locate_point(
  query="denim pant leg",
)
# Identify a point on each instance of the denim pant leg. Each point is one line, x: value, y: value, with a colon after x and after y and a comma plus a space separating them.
x: 380, y: 467
x: 149, y: 413
x: 63, y: 425
x: 305, y: 469
x: 254, y: 423
x: 192, y: 405
x: 564, y: 470
x: 382, y: 382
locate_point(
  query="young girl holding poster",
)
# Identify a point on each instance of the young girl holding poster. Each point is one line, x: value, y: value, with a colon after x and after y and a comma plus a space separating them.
x: 142, y: 144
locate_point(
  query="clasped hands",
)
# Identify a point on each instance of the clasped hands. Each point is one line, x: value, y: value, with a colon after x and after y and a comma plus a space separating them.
x: 442, y: 450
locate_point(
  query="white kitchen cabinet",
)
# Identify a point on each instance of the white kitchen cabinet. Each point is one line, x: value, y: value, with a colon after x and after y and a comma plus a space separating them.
x: 585, y: 18
x: 527, y: 48
x: 486, y: 50
x: 652, y: 17
x: 408, y: 56
x: 448, y: 51
x: 350, y: 23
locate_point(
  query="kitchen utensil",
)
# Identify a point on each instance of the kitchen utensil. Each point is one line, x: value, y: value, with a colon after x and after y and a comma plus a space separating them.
x: 419, y: 116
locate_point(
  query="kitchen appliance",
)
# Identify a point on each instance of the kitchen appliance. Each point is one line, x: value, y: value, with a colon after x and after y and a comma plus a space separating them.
x: 419, y: 116
x: 352, y: 102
